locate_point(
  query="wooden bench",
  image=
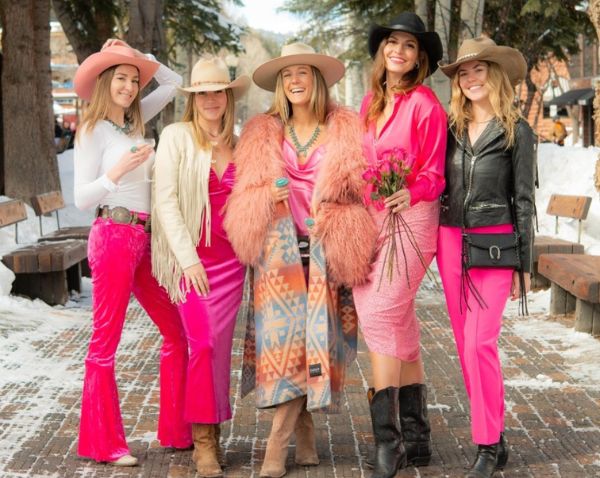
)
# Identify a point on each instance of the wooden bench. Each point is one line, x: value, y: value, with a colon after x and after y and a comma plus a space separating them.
x: 45, y: 270
x: 575, y: 286
x: 575, y: 207
x: 51, y: 202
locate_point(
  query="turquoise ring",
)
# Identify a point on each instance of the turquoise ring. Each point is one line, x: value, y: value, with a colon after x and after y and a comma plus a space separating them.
x: 309, y: 221
x: 281, y: 182
x: 133, y: 149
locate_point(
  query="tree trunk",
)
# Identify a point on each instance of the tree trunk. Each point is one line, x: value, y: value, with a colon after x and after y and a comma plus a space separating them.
x: 594, y: 13
x: 147, y: 34
x: 471, y: 15
x: 531, y: 90
x: 30, y: 165
x: 85, y: 38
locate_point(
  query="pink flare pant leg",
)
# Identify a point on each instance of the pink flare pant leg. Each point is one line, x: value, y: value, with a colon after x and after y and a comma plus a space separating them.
x: 119, y: 257
x: 476, y: 331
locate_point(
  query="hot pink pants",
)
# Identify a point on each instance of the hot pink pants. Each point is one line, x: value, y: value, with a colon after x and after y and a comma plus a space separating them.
x: 476, y: 331
x: 119, y: 257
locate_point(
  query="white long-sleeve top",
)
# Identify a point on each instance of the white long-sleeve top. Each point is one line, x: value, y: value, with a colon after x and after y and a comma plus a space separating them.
x: 98, y: 150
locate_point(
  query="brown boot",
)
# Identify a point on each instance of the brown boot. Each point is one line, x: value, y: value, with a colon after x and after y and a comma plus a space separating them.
x: 205, y: 451
x: 306, y: 446
x: 283, y: 426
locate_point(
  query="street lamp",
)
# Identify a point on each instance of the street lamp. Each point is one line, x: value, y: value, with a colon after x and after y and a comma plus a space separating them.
x: 232, y: 62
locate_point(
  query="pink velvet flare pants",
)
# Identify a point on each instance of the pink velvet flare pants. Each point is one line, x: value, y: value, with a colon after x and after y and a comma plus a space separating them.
x: 119, y: 257
x: 476, y: 331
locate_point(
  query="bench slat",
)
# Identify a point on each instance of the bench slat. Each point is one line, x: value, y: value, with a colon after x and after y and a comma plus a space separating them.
x: 46, y: 256
x: 47, y: 202
x: 554, y: 245
x: 578, y: 274
x: 11, y: 212
x: 576, y: 207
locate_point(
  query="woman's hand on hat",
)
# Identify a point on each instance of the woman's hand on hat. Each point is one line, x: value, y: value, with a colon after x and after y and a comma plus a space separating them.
x: 195, y: 277
x: 129, y: 161
x: 118, y: 42
x: 114, y: 42
x: 399, y: 201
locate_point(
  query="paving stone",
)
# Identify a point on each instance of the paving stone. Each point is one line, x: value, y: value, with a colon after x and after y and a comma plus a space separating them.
x: 552, y: 432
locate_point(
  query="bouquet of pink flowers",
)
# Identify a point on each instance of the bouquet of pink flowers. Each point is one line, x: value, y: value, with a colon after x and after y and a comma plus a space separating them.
x: 383, y: 179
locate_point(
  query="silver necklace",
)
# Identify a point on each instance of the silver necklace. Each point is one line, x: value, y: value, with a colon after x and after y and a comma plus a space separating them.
x: 125, y: 129
x: 302, y: 149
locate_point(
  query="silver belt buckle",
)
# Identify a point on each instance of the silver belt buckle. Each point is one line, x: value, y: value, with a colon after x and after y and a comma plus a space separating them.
x: 120, y: 215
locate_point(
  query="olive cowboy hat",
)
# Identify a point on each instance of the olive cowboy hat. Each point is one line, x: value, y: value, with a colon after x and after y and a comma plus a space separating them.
x: 331, y: 68
x: 87, y: 73
x: 212, y: 74
x: 485, y: 49
x: 410, y: 23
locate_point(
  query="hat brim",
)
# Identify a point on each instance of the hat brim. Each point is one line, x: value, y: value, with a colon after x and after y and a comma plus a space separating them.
x: 239, y: 87
x: 88, y: 72
x: 429, y: 41
x: 509, y: 59
x: 332, y: 69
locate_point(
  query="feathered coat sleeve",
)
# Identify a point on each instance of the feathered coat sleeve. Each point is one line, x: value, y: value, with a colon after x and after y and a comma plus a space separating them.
x: 250, y: 207
x: 345, y: 227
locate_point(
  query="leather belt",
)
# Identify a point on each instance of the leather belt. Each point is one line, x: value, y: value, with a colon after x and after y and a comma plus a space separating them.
x: 122, y: 215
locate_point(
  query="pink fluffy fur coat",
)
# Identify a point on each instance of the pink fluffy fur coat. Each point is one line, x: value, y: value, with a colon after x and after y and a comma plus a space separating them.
x: 346, y: 229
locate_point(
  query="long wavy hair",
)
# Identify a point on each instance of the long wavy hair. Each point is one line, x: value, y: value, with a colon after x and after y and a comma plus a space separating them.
x: 502, y: 99
x: 192, y: 115
x: 101, y: 102
x: 320, y: 102
x: 410, y: 81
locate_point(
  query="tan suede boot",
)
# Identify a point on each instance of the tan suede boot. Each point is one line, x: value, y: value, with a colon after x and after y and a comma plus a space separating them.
x: 205, y: 451
x: 283, y: 426
x: 306, y: 445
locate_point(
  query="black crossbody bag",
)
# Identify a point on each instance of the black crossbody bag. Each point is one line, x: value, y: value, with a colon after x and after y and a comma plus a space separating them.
x: 497, y: 251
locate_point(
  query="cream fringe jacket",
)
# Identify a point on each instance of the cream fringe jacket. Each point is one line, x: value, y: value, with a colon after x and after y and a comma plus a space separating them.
x: 180, y: 206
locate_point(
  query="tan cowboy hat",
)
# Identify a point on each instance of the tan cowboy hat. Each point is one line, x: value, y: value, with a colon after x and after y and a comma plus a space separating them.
x: 485, y: 49
x: 88, y: 72
x: 212, y: 74
x: 331, y: 68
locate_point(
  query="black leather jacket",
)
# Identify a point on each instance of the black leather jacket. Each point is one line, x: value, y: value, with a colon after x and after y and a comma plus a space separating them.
x: 494, y: 179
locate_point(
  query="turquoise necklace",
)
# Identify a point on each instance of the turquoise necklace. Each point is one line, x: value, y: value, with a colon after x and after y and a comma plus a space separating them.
x: 301, y: 150
x: 125, y: 129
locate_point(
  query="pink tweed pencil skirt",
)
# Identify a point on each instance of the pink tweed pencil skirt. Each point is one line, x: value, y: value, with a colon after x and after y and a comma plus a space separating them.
x: 386, y: 311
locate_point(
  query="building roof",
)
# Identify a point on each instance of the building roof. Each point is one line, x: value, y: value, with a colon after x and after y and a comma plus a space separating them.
x: 581, y: 96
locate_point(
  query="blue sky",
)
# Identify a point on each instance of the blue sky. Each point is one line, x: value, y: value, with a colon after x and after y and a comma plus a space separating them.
x: 262, y: 14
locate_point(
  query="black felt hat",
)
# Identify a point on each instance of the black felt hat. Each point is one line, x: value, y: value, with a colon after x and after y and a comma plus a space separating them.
x: 411, y: 23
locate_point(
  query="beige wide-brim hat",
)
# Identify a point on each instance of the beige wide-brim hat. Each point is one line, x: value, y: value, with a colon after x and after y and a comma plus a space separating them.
x: 212, y: 74
x: 485, y: 49
x: 87, y: 73
x: 332, y: 69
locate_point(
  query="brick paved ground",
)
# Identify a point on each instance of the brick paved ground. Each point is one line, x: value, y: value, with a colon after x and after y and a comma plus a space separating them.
x: 553, y: 408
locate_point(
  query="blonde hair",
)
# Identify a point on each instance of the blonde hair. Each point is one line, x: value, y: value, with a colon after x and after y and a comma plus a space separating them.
x: 192, y: 115
x: 319, y: 99
x: 409, y: 81
x: 502, y: 96
x: 101, y: 102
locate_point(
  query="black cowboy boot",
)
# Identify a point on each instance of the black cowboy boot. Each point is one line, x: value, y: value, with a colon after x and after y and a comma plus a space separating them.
x: 415, y: 424
x: 489, y: 459
x: 390, y: 454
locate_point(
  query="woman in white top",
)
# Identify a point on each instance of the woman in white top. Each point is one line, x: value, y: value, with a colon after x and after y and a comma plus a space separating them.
x: 111, y: 174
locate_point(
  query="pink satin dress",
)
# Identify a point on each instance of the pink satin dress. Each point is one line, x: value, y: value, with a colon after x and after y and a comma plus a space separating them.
x: 302, y: 183
x: 209, y: 321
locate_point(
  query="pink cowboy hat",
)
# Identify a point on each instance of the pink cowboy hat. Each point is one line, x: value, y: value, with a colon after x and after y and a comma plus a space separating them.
x: 93, y: 65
